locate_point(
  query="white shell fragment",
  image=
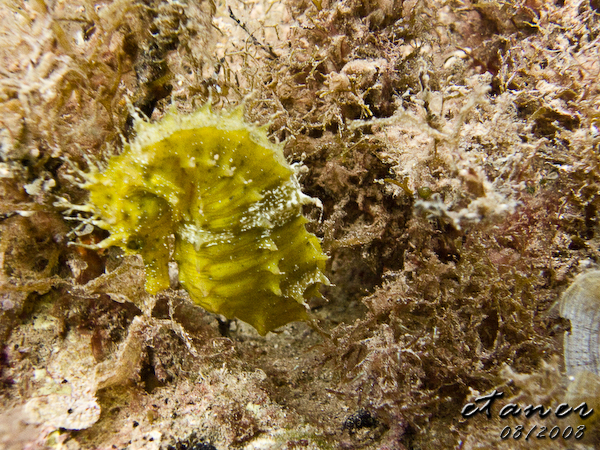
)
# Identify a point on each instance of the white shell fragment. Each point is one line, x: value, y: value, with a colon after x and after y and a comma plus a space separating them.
x: 581, y: 305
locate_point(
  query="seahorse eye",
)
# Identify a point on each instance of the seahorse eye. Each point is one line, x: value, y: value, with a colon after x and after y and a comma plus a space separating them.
x: 142, y: 212
x: 154, y: 209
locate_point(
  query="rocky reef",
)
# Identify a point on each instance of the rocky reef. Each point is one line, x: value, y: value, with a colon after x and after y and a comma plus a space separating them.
x: 453, y: 147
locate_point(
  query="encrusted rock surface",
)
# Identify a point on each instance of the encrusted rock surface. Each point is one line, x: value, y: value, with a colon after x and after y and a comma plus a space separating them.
x: 454, y: 148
